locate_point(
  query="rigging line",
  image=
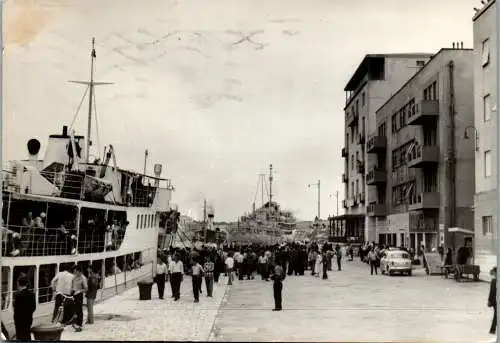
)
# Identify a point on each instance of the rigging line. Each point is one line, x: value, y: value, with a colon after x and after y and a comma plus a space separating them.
x: 78, y: 108
x: 97, y: 128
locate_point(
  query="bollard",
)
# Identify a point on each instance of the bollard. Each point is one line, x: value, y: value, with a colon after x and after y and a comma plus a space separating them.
x: 48, y: 332
x: 145, y: 290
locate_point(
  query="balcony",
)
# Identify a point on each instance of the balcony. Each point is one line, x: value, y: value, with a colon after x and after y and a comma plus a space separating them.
x: 344, y: 178
x: 427, y: 110
x: 376, y: 144
x: 422, y: 201
x: 376, y: 210
x: 376, y: 176
x: 351, y: 118
x: 422, y: 156
x: 361, y: 138
x: 344, y: 152
x: 360, y: 167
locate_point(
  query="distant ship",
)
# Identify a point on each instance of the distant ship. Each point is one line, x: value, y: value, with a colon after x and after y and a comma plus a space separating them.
x: 67, y: 209
x: 268, y: 224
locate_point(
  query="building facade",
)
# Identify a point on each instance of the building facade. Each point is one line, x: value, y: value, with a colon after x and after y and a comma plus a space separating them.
x: 420, y: 166
x: 485, y: 129
x: 374, y: 81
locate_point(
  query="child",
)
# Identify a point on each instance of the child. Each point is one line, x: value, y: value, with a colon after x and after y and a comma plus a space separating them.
x: 197, y: 275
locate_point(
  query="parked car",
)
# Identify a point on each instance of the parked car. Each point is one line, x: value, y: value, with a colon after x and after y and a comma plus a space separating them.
x: 396, y: 261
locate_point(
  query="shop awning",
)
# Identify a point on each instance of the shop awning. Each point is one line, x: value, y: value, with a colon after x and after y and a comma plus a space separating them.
x: 460, y: 230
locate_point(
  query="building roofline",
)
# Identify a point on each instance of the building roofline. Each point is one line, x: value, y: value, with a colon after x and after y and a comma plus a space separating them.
x: 483, y: 10
x: 417, y: 73
x: 361, y: 70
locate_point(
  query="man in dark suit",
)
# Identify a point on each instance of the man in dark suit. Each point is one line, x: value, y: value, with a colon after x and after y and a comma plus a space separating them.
x: 24, y: 307
x: 492, y: 299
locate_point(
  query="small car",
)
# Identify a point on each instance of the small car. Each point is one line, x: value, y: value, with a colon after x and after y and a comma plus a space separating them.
x: 395, y: 261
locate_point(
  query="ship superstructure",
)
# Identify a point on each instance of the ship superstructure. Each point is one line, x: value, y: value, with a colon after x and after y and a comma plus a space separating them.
x: 70, y: 207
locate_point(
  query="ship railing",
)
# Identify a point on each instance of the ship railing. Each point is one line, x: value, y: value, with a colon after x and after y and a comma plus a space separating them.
x: 68, y: 185
x: 35, y: 241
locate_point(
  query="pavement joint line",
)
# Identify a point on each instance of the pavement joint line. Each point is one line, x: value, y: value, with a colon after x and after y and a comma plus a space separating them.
x: 224, y: 299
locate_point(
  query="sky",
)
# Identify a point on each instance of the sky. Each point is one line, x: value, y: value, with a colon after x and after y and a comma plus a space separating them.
x: 215, y: 90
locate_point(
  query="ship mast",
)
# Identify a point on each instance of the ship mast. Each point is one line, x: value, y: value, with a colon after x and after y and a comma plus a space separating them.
x: 91, y: 84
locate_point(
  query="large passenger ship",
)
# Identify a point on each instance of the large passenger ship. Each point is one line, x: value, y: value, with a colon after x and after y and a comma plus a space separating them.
x: 67, y: 209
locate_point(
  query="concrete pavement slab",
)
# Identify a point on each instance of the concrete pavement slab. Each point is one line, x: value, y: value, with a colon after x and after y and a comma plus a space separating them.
x: 353, y: 305
x: 124, y: 317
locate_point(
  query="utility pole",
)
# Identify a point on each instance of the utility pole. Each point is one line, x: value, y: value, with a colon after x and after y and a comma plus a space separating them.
x: 319, y: 196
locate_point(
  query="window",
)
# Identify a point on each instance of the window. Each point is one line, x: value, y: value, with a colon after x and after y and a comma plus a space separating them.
x: 137, y: 224
x: 352, y: 135
x: 420, y: 63
x: 363, y: 99
x: 347, y: 139
x: 45, y: 275
x: 382, y: 130
x: 357, y: 156
x: 5, y: 287
x: 487, y: 107
x: 357, y: 186
x: 487, y: 225
x: 487, y: 163
x: 352, y: 162
x: 485, y: 54
x: 352, y: 189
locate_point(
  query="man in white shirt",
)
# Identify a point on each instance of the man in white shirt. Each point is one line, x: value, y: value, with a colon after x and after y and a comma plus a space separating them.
x: 177, y: 272
x: 171, y: 264
x: 229, y: 267
x: 62, y: 284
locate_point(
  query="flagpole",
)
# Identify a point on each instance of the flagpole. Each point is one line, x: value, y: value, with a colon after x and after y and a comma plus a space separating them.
x: 91, y: 95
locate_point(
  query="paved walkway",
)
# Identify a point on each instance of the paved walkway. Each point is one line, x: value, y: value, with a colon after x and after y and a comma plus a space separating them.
x: 124, y: 317
x: 355, y: 306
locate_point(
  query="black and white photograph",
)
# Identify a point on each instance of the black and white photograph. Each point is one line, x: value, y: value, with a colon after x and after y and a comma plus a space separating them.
x: 249, y: 170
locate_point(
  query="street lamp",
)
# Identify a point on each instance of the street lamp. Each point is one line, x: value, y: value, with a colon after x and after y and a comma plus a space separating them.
x: 476, y: 135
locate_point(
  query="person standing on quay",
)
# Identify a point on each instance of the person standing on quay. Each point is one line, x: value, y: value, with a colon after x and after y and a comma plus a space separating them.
x: 209, y: 267
x: 373, y: 260
x: 161, y: 274
x: 94, y: 283
x: 24, y: 307
x: 492, y: 299
x: 177, y: 272
x: 196, y: 278
x: 278, y: 277
x: 79, y: 288
x: 229, y: 267
x: 338, y: 254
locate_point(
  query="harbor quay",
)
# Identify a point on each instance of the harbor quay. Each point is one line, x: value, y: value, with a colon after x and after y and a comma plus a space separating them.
x: 351, y: 305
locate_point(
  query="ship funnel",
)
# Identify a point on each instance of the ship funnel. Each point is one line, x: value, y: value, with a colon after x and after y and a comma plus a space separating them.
x: 33, y: 149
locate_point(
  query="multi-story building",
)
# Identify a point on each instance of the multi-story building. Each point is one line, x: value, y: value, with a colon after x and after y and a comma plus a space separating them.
x: 485, y: 133
x: 374, y: 81
x: 420, y: 165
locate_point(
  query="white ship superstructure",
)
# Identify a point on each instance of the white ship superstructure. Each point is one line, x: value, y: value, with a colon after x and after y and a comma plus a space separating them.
x: 65, y: 209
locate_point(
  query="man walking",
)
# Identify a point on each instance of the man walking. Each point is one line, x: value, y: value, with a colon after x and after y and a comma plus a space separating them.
x: 338, y: 253
x: 24, y: 307
x: 229, y: 267
x: 79, y: 288
x: 277, y: 277
x: 93, y: 283
x: 61, y: 284
x: 161, y: 274
x: 209, y: 267
x: 492, y: 299
x: 177, y: 272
